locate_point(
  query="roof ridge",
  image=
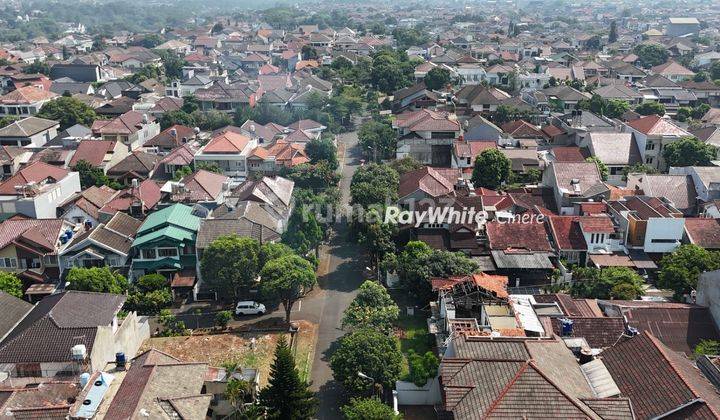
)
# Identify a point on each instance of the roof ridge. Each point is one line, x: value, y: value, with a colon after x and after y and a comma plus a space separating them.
x: 506, y: 389
x: 573, y: 400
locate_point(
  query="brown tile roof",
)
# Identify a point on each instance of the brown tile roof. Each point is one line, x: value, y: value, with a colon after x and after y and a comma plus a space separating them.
x: 521, y: 129
x: 166, y: 140
x: 138, y: 164
x: 127, y: 123
x: 202, y: 185
x: 703, y: 232
x: 427, y: 120
x: 566, y: 233
x: 658, y: 381
x: 41, y: 232
x: 435, y: 182
x: 473, y: 148
x: 56, y: 324
x: 599, y: 332
x: 527, y: 236
x: 570, y: 306
x: 27, y: 95
x: 92, y: 199
x: 227, y: 142
x: 492, y: 283
x: 92, y: 152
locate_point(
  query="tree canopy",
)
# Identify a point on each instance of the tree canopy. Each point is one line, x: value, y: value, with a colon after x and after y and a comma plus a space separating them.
x: 230, y: 264
x: 68, y: 111
x: 322, y: 150
x: 369, y: 409
x: 377, y: 140
x: 650, y: 108
x: 96, y: 279
x: 372, y: 308
x: 650, y: 55
x: 610, y: 282
x: 10, y: 284
x: 688, y: 151
x: 437, y: 78
x: 492, y: 169
x: 374, y: 184
x: 372, y: 352
x: 287, y: 279
x: 680, y: 270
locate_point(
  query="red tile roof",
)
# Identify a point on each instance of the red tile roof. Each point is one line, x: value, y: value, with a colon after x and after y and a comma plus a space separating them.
x: 92, y: 152
x: 127, y: 123
x: 27, y: 95
x: 703, y: 232
x: 655, y: 125
x: 567, y: 233
x: 35, y: 172
x: 435, y: 182
x: 599, y: 332
x: 227, y: 142
x: 568, y: 154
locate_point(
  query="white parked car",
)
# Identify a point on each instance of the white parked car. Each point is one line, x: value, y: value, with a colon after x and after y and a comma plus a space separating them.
x: 249, y: 307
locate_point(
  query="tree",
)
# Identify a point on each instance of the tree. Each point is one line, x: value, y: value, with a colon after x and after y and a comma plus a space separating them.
x: 287, y: 396
x: 179, y: 117
x: 650, y: 55
x: 369, y: 409
x: 390, y: 71
x: 376, y: 236
x: 374, y: 184
x: 222, y: 319
x: 41, y: 67
x: 611, y: 282
x: 7, y: 120
x: 96, y: 279
x: 370, y: 352
x: 230, y: 264
x: 10, y: 284
x: 405, y: 165
x: 492, y: 169
x: 507, y: 113
x: 715, y: 70
x: 322, y: 149
x: 303, y: 232
x: 68, y: 111
x: 182, y: 172
x: 680, y: 270
x: 217, y: 29
x: 316, y: 177
x: 707, y: 347
x: 650, y: 108
x: 437, y: 78
x: 91, y: 175
x: 308, y: 52
x: 688, y: 151
x: 377, y: 140
x: 149, y: 294
x: 372, y: 308
x: 418, y: 263
x: 615, y: 108
x: 638, y: 168
x: 172, y: 66
x: 602, y: 168
x: 613, y: 36
x: 287, y: 279
x: 236, y: 391
x: 271, y: 250
x: 422, y: 367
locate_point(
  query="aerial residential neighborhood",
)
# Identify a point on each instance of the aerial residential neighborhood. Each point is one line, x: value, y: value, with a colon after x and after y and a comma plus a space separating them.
x: 354, y: 210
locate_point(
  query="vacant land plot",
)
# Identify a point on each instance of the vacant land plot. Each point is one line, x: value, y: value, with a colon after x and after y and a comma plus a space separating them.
x: 216, y: 349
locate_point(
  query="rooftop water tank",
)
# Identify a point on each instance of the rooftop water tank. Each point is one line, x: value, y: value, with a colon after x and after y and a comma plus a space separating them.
x: 567, y: 327
x: 79, y: 352
x: 84, y: 379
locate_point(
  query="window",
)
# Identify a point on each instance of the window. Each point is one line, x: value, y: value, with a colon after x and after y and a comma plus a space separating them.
x: 25, y: 370
x: 35, y: 263
x: 650, y: 146
x: 167, y: 252
x: 8, y: 262
x: 649, y: 160
x: 663, y: 241
x: 149, y: 254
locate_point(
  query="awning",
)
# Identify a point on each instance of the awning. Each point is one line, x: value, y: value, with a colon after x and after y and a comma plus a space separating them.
x: 155, y: 264
x: 185, y: 278
x: 41, y: 289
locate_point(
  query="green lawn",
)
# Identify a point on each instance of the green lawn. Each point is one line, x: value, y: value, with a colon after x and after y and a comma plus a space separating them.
x: 413, y: 334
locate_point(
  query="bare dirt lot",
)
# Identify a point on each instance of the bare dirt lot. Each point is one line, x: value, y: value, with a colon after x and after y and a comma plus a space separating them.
x: 217, y: 349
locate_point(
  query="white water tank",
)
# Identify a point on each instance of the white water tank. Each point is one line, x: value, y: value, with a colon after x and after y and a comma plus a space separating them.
x: 79, y: 352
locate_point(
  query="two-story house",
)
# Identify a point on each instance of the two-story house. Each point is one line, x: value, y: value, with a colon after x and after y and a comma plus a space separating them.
x: 574, y: 182
x: 229, y: 151
x: 24, y: 101
x: 31, y: 131
x: 652, y: 134
x: 37, y: 190
x: 427, y: 136
x: 648, y: 223
x: 165, y: 242
x: 132, y: 129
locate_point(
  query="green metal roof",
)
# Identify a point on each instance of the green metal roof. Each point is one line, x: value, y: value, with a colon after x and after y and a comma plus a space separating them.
x: 173, y: 233
x: 177, y: 214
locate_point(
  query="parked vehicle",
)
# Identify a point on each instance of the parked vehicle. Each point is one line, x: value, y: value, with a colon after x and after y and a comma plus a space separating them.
x: 249, y: 307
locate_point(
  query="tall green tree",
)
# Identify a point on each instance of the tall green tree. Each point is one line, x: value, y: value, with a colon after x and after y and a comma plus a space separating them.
x: 10, y: 284
x: 689, y: 151
x: 303, y: 232
x: 230, y: 264
x: 377, y: 140
x: 287, y: 279
x: 373, y: 307
x: 611, y: 282
x: 437, y: 78
x: 91, y: 175
x: 613, y: 36
x: 374, y: 184
x: 370, y: 352
x: 68, y: 111
x: 650, y: 55
x: 287, y: 396
x: 322, y: 150
x: 680, y: 270
x: 650, y: 108
x: 492, y: 169
x: 96, y: 279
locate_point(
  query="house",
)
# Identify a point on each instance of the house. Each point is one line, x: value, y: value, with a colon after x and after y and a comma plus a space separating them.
x: 105, y: 245
x: 37, y: 190
x: 652, y: 134
x: 521, y: 250
x: 648, y: 223
x: 71, y: 332
x: 617, y: 151
x: 481, y: 98
x: 705, y: 178
x: 427, y: 182
x: 574, y: 182
x: 574, y: 237
x: 101, y: 154
x: 24, y: 101
x: 30, y: 131
x: 165, y: 242
x: 136, y: 165
x: 84, y: 207
x: 132, y: 129
x: 270, y: 160
x: 678, y: 190
x: 170, y: 138
x: 44, y: 400
x: 562, y: 97
x: 160, y: 386
x: 202, y: 187
x: 674, y: 71
x: 226, y: 97
x: 703, y: 232
x: 427, y: 136
x: 137, y: 200
x: 174, y: 160
x: 464, y: 154
x: 77, y: 71
x: 229, y: 151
